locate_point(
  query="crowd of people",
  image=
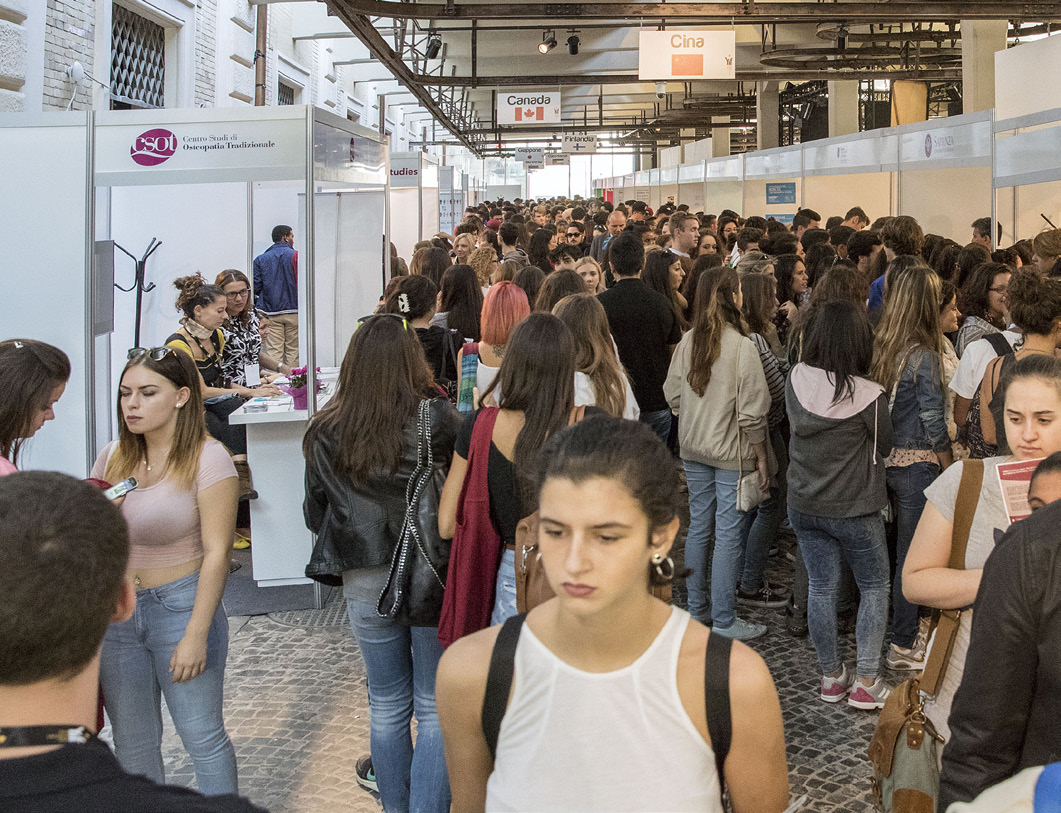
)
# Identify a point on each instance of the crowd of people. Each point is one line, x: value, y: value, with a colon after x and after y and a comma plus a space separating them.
x: 540, y: 390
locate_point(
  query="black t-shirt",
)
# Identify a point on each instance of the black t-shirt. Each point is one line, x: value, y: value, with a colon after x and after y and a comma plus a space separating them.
x: 506, y: 503
x: 440, y: 347
x: 644, y: 327
x: 88, y: 778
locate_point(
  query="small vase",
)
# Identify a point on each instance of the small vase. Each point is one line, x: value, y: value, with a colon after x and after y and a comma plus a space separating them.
x: 299, y: 397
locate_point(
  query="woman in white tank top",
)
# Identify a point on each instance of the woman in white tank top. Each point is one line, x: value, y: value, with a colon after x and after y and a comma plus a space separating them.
x: 607, y: 709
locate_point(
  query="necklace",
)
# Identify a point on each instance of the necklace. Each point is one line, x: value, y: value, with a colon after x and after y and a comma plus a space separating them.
x: 165, y: 456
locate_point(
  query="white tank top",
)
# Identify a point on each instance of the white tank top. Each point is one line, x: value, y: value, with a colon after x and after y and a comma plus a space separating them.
x: 614, y: 741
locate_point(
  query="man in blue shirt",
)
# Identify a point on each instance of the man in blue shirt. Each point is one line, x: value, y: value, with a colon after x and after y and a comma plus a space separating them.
x: 276, y: 294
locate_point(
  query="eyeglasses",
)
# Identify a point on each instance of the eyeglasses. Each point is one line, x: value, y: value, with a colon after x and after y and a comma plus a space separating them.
x: 363, y: 319
x: 156, y: 353
x: 238, y: 294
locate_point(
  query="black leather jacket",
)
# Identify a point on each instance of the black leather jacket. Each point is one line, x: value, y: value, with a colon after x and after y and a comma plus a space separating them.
x: 358, y: 527
x: 1006, y: 711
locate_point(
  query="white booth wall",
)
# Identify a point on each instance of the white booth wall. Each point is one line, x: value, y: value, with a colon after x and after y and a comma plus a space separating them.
x: 723, y: 194
x: 45, y: 207
x: 836, y: 194
x: 692, y: 194
x: 946, y: 201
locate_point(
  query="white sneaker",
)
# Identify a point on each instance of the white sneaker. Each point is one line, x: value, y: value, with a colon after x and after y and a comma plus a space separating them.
x: 903, y: 659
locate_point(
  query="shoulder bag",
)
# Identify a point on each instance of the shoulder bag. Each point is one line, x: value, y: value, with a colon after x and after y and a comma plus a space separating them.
x: 749, y: 494
x: 469, y: 364
x: 904, y: 744
x: 414, y: 589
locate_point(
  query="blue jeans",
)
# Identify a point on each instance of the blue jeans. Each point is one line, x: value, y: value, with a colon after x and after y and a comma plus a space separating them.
x: 400, y: 663
x: 907, y: 484
x: 713, y: 512
x: 505, y: 589
x: 860, y: 540
x: 134, y: 670
x: 659, y: 421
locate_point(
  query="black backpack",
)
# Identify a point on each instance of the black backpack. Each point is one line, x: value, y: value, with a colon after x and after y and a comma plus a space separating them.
x: 716, y: 690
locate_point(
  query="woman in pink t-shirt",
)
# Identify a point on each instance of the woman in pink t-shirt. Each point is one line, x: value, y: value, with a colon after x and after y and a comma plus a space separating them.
x: 34, y: 376
x: 181, y: 520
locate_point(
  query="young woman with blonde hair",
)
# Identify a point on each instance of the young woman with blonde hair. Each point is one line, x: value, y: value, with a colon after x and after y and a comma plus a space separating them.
x: 181, y: 519
x: 908, y: 358
x: 599, y: 378
x: 590, y: 271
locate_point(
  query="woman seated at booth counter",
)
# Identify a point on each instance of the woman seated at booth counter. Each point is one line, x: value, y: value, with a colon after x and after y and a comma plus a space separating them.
x: 205, y: 308
x: 242, y: 333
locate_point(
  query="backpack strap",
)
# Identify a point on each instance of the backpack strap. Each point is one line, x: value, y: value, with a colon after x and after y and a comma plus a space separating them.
x: 499, y: 680
x: 716, y: 698
x: 998, y: 343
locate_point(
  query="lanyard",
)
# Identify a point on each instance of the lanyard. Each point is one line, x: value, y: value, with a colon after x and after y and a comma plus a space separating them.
x: 35, y: 735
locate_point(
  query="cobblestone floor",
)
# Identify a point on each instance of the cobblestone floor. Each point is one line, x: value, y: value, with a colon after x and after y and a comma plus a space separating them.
x: 296, y: 707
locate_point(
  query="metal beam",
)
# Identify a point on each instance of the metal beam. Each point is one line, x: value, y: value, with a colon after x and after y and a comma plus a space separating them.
x: 725, y: 12
x: 926, y: 74
x: 377, y: 46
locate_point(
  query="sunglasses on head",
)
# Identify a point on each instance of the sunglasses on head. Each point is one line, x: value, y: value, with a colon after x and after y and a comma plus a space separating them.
x: 363, y: 319
x: 156, y: 353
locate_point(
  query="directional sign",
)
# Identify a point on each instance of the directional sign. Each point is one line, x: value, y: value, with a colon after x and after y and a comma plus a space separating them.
x: 530, y: 155
x: 555, y: 160
x: 528, y: 107
x: 673, y: 54
x: 579, y: 144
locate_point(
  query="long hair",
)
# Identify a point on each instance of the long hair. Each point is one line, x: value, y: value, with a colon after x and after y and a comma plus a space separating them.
x: 368, y: 422
x: 538, y: 249
x: 656, y: 275
x: 839, y: 341
x: 482, y: 260
x: 910, y: 321
x: 411, y: 296
x: 30, y: 371
x: 973, y: 294
x: 462, y: 301
x: 555, y: 287
x: 784, y: 269
x: 227, y: 277
x: 760, y: 297
x: 433, y: 264
x: 189, y: 435
x: 537, y: 378
x: 505, y: 306
x: 594, y: 352
x: 715, y: 308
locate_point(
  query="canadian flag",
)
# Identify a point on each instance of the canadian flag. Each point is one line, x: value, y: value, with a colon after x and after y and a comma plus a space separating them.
x: 530, y: 114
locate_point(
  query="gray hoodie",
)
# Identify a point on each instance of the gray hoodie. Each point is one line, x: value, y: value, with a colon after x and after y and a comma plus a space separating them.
x: 836, y: 455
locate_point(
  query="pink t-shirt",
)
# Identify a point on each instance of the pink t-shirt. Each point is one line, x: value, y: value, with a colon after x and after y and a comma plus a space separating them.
x: 6, y: 467
x: 164, y: 528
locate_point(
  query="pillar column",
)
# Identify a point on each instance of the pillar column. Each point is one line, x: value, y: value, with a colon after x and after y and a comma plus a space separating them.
x: 767, y: 114
x: 843, y: 108
x: 980, y: 40
x: 719, y: 136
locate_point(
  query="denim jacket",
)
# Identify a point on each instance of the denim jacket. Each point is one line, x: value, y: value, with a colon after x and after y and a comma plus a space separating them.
x: 918, y: 410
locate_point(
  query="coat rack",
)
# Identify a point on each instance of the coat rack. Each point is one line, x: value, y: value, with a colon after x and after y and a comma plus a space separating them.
x: 138, y: 282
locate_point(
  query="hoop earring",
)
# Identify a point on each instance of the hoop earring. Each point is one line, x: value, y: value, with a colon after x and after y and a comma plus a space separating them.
x: 664, y: 567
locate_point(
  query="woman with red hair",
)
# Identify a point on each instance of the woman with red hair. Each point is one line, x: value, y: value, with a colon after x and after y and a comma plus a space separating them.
x: 505, y: 306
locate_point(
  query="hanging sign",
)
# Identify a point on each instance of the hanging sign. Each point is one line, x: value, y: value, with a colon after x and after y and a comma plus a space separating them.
x: 673, y: 54
x: 579, y: 144
x: 405, y: 172
x: 530, y: 155
x: 556, y: 160
x: 528, y: 107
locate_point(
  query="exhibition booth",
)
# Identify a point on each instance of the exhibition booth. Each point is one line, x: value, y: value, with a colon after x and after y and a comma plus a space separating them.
x: 857, y: 170
x: 724, y: 184
x: 140, y: 198
x: 691, y: 185
x: 450, y: 199
x: 668, y: 187
x: 413, y: 200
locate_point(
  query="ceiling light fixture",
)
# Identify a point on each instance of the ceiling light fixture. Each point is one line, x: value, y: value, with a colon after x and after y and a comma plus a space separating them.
x: 548, y: 42
x: 572, y: 43
x: 434, y: 46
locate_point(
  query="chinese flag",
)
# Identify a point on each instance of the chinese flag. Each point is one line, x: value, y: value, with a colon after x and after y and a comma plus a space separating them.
x: 532, y: 113
x: 687, y: 64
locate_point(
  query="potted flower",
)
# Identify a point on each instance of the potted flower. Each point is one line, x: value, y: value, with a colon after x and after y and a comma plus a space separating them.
x: 299, y: 386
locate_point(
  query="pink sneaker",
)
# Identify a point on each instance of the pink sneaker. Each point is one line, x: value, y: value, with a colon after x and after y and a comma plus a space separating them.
x: 869, y: 697
x: 835, y: 689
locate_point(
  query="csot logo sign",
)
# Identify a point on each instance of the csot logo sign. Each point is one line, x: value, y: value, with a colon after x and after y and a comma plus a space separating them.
x: 153, y: 147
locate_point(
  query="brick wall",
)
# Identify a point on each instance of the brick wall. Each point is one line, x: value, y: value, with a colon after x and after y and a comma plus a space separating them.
x: 205, y: 53
x: 69, y: 36
x: 13, y: 50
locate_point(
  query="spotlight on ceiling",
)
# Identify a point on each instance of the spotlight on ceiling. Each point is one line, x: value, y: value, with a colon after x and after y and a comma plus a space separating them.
x: 434, y: 46
x: 841, y: 37
x: 548, y: 42
x: 572, y: 44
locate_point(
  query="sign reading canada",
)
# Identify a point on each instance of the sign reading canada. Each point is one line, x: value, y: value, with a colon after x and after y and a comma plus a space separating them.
x: 528, y: 107
x: 672, y: 54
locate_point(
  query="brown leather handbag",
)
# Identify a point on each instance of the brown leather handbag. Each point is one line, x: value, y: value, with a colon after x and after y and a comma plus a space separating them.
x: 904, y: 744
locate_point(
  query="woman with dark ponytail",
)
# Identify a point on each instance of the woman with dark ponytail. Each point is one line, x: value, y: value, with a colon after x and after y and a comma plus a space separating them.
x: 415, y: 298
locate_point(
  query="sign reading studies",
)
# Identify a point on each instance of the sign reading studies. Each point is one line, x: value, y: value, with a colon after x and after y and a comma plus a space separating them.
x: 528, y: 107
x: 674, y: 54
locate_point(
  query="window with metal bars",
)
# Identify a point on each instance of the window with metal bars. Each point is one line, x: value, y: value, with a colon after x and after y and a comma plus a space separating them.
x: 138, y: 61
x: 285, y: 94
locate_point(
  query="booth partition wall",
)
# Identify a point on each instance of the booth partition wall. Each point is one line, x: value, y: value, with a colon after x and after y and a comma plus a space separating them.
x: 414, y: 200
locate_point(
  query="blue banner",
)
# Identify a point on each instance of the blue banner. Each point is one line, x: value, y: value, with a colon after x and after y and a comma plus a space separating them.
x: 778, y: 194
